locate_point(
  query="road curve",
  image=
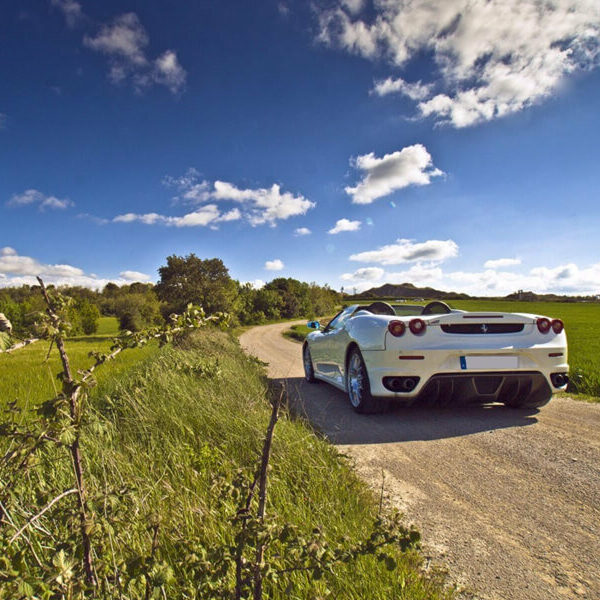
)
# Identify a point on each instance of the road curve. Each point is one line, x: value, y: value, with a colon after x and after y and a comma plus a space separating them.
x: 508, y: 500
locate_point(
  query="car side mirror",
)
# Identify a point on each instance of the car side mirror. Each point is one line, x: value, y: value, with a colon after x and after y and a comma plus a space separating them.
x: 313, y: 325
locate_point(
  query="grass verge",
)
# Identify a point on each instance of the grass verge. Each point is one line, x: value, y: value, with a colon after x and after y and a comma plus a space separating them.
x: 159, y: 444
x: 297, y: 333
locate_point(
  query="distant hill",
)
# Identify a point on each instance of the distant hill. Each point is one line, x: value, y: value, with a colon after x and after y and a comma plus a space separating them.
x: 408, y: 290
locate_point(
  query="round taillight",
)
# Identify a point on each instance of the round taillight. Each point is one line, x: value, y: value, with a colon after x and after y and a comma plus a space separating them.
x: 543, y: 325
x: 417, y: 326
x: 557, y: 325
x: 396, y: 328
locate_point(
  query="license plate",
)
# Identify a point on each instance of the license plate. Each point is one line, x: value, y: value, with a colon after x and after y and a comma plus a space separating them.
x: 488, y: 363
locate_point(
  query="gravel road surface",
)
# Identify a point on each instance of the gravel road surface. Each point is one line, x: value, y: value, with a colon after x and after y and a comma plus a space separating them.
x: 508, y: 500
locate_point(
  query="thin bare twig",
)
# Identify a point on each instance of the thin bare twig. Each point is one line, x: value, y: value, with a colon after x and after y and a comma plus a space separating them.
x: 382, y: 490
x: 41, y: 513
x: 262, y: 493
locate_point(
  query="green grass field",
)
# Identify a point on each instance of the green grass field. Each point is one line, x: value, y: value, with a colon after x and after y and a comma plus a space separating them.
x: 27, y: 377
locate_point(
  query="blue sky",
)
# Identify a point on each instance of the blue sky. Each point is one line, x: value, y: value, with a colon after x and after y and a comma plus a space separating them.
x: 347, y: 142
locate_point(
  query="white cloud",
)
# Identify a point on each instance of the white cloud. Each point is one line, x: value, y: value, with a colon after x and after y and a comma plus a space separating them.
x: 344, y: 225
x: 567, y: 279
x: 71, y: 10
x: 183, y: 182
x: 492, y: 57
x: 365, y: 274
x: 274, y: 265
x: 199, y: 218
x: 124, y: 41
x: 168, y: 71
x: 410, y: 166
x: 499, y: 263
x: 263, y: 205
x: 302, y: 231
x: 258, y: 205
x: 353, y: 6
x: 17, y: 270
x: 404, y: 251
x: 415, y: 91
x: 423, y: 274
x: 134, y: 276
x: 231, y: 215
x: 35, y: 197
x: 256, y: 284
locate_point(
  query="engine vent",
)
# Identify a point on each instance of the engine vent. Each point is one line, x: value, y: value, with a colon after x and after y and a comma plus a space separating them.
x: 482, y: 328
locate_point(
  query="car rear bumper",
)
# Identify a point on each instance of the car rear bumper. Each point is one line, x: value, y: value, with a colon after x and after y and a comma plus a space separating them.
x: 463, y: 376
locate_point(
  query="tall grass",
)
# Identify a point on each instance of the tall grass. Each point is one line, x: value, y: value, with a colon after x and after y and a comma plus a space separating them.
x: 159, y: 441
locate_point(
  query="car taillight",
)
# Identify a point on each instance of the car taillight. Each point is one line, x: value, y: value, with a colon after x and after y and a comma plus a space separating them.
x: 396, y: 328
x: 543, y: 325
x: 417, y: 326
x: 557, y: 325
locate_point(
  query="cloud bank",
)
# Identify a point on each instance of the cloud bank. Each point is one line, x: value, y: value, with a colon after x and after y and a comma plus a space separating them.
x: 17, y: 270
x: 490, y: 58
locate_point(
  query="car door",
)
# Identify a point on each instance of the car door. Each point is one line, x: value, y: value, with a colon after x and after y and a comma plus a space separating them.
x: 332, y: 348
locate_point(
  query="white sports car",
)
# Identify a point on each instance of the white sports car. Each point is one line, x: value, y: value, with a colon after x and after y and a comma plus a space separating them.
x: 435, y: 353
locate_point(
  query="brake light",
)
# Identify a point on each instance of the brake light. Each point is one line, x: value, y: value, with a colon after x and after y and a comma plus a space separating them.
x: 543, y: 325
x: 417, y: 326
x: 396, y: 328
x: 557, y: 325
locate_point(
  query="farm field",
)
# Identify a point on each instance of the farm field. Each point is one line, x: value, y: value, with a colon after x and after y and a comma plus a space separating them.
x: 28, y: 378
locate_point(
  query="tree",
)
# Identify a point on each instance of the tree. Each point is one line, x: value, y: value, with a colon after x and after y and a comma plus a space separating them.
x: 88, y: 315
x: 189, y: 279
x: 136, y: 311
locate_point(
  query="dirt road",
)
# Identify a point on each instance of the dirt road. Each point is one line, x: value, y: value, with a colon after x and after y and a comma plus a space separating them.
x: 508, y: 500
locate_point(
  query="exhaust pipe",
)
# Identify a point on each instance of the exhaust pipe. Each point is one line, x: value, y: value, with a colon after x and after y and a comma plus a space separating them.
x: 559, y: 379
x: 409, y: 384
x: 400, y: 384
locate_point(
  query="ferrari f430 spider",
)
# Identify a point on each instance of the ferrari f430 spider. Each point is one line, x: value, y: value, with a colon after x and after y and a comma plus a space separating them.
x: 434, y: 353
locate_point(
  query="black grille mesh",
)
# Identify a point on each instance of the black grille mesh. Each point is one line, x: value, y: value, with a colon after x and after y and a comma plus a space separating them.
x: 482, y: 328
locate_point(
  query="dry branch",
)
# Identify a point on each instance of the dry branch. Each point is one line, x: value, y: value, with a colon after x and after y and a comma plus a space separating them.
x: 20, y: 345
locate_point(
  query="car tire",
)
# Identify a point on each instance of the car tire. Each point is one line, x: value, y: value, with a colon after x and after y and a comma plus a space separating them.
x: 359, y: 388
x: 309, y: 370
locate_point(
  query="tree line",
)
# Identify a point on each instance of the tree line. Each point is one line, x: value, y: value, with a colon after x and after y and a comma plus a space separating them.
x: 183, y: 280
